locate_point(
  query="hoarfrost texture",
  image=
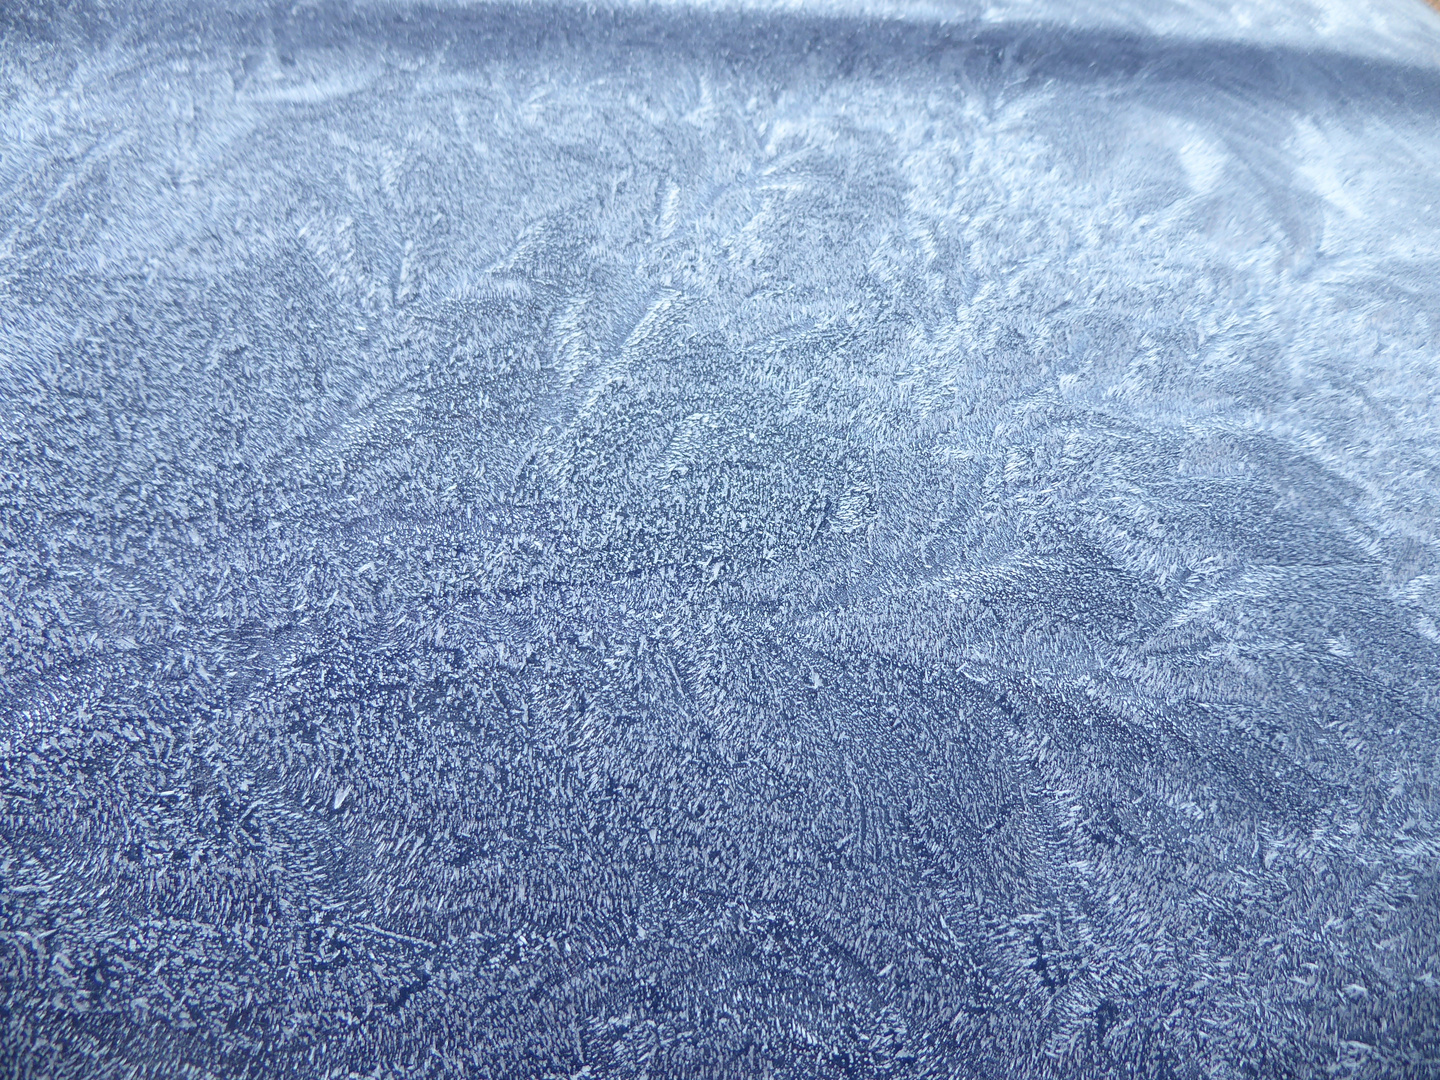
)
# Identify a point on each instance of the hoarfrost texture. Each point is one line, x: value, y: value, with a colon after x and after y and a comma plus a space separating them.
x: 667, y: 541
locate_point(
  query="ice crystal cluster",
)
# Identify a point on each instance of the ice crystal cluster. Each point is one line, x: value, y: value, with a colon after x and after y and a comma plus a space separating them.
x: 789, y: 540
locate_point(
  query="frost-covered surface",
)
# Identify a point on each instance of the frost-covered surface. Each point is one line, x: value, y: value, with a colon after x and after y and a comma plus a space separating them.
x: 745, y: 542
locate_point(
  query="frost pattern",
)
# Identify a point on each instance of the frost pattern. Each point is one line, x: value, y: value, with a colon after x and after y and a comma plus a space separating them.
x: 547, y: 541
